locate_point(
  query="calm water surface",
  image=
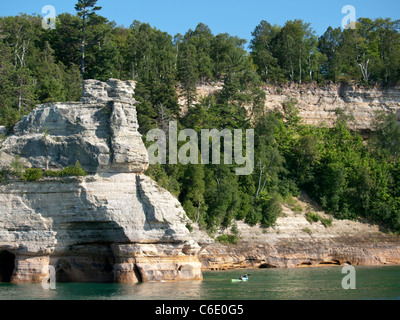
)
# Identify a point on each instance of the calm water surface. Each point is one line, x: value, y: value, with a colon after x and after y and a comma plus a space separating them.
x: 373, y: 283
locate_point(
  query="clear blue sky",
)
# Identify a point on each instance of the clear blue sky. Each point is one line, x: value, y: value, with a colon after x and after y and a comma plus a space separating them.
x: 236, y: 17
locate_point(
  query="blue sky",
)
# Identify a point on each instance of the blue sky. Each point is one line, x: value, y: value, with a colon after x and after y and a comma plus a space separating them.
x: 235, y: 17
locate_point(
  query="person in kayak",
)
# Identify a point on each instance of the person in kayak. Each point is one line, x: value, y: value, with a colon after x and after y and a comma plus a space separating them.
x: 244, y: 277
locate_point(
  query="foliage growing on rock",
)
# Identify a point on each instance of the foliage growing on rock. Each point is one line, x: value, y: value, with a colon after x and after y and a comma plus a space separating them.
x: 32, y: 174
x: 75, y: 170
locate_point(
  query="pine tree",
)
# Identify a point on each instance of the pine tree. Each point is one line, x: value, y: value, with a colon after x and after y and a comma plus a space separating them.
x: 195, y: 188
x: 187, y: 73
x: 87, y: 12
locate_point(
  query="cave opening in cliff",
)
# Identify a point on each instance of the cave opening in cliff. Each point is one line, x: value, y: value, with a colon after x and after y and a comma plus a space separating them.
x: 267, y: 266
x: 7, y: 265
x: 62, y: 276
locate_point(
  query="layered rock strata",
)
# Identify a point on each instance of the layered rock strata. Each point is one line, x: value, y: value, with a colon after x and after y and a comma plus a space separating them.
x: 297, y: 252
x: 114, y: 225
x: 296, y: 242
x: 318, y: 104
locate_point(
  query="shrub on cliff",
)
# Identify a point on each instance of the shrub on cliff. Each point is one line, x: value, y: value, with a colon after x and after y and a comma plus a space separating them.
x: 17, y: 167
x: 312, y: 217
x: 228, y: 239
x: 72, y: 171
x: 3, y: 178
x: 32, y: 174
x: 75, y: 170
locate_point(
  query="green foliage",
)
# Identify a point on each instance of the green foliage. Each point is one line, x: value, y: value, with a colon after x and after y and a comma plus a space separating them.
x: 70, y: 171
x: 32, y: 175
x: 312, y: 217
x: 53, y: 174
x: 228, y: 239
x: 17, y: 167
x: 271, y: 210
x: 31, y: 73
x: 327, y: 222
x: 297, y: 209
x: 3, y: 178
x: 189, y: 227
x: 368, y: 54
x: 75, y: 170
x: 349, y: 178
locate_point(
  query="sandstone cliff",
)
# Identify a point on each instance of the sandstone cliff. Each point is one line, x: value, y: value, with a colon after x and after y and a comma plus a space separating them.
x: 115, y: 224
x: 318, y: 104
x: 296, y: 242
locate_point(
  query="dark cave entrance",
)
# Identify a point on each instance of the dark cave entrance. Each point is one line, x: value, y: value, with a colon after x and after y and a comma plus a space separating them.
x: 7, y: 265
x: 63, y: 276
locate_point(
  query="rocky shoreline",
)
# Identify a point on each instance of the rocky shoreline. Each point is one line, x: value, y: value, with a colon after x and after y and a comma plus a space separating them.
x: 296, y: 242
x: 117, y: 225
x: 294, y: 254
x: 113, y: 225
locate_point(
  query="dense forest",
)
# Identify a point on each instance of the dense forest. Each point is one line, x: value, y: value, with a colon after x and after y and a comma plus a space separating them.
x: 350, y: 178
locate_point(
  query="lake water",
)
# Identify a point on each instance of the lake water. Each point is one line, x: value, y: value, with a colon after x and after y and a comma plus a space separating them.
x: 372, y: 283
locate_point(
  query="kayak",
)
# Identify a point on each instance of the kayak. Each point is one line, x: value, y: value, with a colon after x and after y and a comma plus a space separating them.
x: 240, y: 280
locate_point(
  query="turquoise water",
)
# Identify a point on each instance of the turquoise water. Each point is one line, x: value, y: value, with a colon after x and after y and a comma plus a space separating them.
x: 372, y: 283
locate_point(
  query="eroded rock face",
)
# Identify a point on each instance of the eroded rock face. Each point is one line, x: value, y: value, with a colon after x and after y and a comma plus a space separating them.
x: 101, y: 133
x: 296, y: 242
x: 304, y: 252
x: 318, y: 104
x: 116, y: 224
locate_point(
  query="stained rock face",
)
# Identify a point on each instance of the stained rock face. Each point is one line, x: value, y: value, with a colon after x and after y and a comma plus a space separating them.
x: 116, y: 224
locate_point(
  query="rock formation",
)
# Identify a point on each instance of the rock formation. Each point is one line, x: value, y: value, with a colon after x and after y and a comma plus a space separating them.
x: 115, y: 224
x: 318, y: 104
x: 118, y: 225
x: 295, y: 242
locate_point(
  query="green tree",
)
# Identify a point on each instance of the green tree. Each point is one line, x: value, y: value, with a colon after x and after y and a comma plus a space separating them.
x: 187, y: 73
x: 65, y: 39
x: 386, y: 137
x: 86, y: 10
x: 151, y: 61
x: 262, y: 46
x: 328, y: 44
x: 201, y: 39
x: 194, y: 188
x: 294, y: 45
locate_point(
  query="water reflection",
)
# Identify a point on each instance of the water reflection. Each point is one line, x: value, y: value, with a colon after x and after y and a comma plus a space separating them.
x: 265, y: 284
